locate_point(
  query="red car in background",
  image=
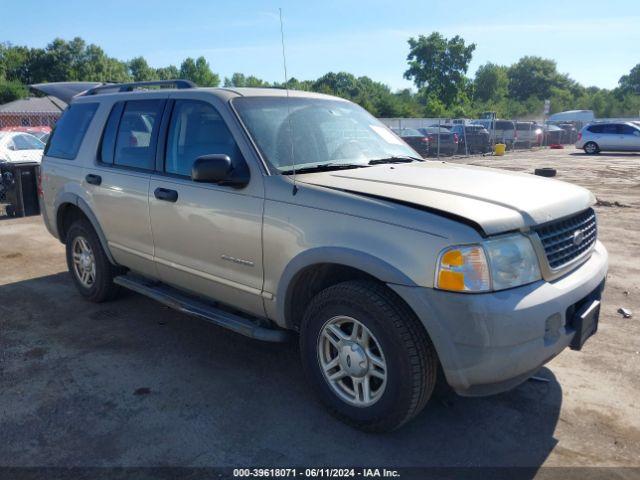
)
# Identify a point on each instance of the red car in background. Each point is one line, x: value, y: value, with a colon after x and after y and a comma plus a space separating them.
x: 40, y: 132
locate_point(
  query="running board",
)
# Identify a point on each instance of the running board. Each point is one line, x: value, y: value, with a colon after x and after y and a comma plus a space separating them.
x: 173, y: 298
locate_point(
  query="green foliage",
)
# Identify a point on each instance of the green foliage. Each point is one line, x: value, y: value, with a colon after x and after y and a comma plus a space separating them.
x: 439, y: 65
x: 11, y: 90
x: 140, y: 70
x: 239, y: 80
x: 631, y: 83
x: 199, y: 72
x: 491, y: 83
x: 535, y: 76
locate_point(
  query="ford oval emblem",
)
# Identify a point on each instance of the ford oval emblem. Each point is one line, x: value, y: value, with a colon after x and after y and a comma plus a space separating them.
x: 578, y: 237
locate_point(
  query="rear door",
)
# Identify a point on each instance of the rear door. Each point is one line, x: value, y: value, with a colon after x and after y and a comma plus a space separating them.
x: 118, y: 183
x: 208, y: 237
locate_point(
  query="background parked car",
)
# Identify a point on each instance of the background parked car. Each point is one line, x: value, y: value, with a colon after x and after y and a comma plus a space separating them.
x: 571, y: 132
x: 415, y: 139
x: 448, y: 140
x: 20, y: 147
x: 478, y: 138
x: 614, y: 136
x: 529, y: 134
x: 501, y: 131
x: 553, y: 135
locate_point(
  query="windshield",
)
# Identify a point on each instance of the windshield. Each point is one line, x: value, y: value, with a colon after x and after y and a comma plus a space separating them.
x: 324, y: 132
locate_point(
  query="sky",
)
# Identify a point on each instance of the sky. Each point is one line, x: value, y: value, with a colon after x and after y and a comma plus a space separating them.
x: 595, y: 42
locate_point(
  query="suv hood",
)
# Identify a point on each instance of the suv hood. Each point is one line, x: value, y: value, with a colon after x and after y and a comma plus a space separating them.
x: 496, y: 200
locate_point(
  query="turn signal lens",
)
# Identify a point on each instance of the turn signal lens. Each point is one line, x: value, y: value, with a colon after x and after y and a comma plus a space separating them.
x: 463, y: 269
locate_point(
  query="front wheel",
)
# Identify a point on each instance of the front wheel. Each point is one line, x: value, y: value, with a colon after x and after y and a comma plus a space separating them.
x: 591, y: 148
x: 367, y: 356
x: 88, y: 264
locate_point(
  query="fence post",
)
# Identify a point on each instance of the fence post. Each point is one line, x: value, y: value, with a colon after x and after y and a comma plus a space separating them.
x: 438, y: 138
x: 464, y: 135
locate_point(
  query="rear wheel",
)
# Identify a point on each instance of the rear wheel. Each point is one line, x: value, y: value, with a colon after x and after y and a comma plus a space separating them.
x: 367, y: 356
x: 591, y: 148
x: 88, y: 264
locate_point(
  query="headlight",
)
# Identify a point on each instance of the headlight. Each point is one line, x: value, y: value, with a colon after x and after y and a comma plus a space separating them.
x: 493, y: 265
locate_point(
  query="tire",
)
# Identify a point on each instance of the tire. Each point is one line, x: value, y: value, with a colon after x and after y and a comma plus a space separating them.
x: 591, y: 148
x: 101, y: 288
x: 397, y: 338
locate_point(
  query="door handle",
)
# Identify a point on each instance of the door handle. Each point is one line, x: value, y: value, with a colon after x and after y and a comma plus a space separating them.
x: 166, y: 194
x: 93, y: 179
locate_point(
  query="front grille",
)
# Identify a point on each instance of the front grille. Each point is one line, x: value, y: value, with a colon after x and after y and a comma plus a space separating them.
x: 559, y: 238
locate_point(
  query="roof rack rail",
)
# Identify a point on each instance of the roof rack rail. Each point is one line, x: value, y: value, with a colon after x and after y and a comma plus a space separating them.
x: 129, y: 87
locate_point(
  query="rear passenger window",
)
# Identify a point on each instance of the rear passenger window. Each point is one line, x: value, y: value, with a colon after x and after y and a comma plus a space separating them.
x: 610, y: 128
x: 196, y: 129
x: 137, y: 134
x: 69, y: 131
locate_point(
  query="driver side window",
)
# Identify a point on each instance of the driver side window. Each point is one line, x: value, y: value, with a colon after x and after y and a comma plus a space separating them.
x: 196, y: 129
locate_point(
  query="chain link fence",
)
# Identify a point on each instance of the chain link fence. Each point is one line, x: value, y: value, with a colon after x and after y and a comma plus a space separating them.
x: 36, y: 123
x: 464, y: 136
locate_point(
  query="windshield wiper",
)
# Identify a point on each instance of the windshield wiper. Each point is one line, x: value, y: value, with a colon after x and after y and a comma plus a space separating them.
x: 395, y: 159
x: 324, y: 167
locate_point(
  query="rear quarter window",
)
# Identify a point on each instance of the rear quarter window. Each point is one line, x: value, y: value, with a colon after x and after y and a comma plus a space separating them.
x: 595, y: 128
x: 69, y: 132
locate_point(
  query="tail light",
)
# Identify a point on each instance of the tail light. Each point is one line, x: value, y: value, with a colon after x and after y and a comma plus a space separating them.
x: 579, y: 135
x: 425, y: 140
x: 455, y: 138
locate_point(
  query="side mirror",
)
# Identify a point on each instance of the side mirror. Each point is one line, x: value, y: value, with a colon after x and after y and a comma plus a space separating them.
x: 217, y: 168
x: 11, y: 146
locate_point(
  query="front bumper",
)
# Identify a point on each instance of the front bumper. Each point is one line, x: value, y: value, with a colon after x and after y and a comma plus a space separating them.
x: 491, y: 342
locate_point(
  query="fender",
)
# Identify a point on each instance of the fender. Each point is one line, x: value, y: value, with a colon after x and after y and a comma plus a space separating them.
x: 74, y: 199
x: 365, y: 262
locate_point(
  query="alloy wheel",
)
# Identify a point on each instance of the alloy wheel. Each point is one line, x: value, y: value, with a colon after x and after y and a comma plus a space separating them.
x: 352, y: 361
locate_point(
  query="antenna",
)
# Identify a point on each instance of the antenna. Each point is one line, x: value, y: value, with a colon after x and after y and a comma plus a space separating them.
x: 286, y: 87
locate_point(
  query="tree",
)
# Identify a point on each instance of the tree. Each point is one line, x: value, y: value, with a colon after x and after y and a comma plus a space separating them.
x: 199, y: 72
x: 167, y: 73
x: 631, y: 83
x: 239, y: 80
x: 535, y: 76
x: 140, y: 70
x: 439, y: 65
x: 11, y: 90
x: 491, y: 83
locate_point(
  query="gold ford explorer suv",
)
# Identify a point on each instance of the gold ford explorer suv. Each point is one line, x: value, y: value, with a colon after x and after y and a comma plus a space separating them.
x: 270, y: 213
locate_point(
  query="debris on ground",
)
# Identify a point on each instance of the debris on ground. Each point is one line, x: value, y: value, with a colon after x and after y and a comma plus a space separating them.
x: 545, y: 172
x: 607, y: 203
x: 626, y: 313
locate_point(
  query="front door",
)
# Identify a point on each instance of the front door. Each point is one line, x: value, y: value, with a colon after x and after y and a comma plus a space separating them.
x: 631, y: 137
x: 207, y: 237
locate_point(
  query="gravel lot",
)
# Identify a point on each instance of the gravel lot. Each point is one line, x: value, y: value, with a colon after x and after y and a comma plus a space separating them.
x: 132, y: 383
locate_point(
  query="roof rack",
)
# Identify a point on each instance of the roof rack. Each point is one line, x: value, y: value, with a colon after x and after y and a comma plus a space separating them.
x: 129, y: 87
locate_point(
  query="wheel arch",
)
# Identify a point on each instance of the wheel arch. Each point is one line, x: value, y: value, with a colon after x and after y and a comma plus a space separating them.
x: 71, y: 206
x: 316, y: 269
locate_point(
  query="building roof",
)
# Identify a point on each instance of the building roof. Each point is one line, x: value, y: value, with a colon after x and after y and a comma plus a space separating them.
x: 34, y: 104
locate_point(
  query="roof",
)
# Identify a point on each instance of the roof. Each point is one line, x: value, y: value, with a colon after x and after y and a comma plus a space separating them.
x: 34, y: 104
